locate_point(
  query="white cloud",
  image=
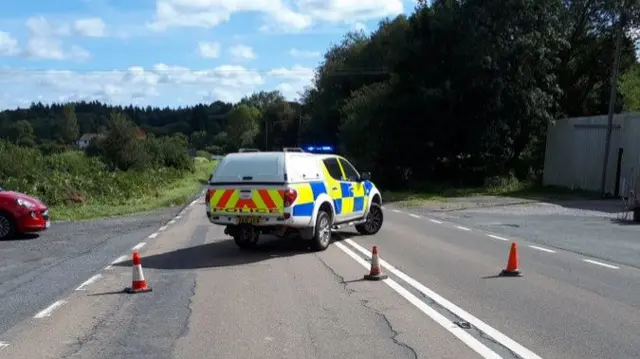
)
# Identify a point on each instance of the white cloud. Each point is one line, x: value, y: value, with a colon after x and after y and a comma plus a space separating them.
x: 348, y: 11
x: 278, y: 13
x: 8, y: 45
x: 44, y: 39
x: 359, y: 26
x: 293, y: 80
x: 90, y: 27
x: 303, y: 53
x: 38, y: 26
x: 161, y: 85
x: 209, y: 49
x: 242, y: 52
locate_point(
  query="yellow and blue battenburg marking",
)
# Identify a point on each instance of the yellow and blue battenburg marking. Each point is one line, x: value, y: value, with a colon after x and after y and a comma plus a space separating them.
x: 353, y: 197
x: 308, y: 193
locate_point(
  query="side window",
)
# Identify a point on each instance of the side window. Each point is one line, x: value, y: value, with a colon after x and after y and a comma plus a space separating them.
x: 349, y: 171
x: 333, y: 167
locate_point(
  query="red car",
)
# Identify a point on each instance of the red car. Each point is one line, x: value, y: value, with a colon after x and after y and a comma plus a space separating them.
x: 20, y: 213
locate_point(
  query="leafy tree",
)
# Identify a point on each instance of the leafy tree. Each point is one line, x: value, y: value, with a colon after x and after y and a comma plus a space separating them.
x: 630, y: 88
x: 119, y: 148
x: 69, y: 128
x: 242, y: 125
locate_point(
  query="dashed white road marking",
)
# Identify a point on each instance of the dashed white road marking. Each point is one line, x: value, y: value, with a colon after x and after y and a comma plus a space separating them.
x: 138, y: 246
x: 498, y: 237
x: 397, y: 211
x: 542, y: 249
x: 435, y: 221
x: 600, y: 264
x: 414, y: 215
x: 497, y: 336
x: 3, y: 345
x: 49, y: 310
x: 89, y: 281
x: 178, y: 217
x: 172, y: 221
x: 162, y: 228
x: 153, y: 235
x: 463, y: 228
x: 120, y: 259
x: 383, y: 207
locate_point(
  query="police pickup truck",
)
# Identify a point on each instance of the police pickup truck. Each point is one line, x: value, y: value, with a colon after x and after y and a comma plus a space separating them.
x: 291, y: 192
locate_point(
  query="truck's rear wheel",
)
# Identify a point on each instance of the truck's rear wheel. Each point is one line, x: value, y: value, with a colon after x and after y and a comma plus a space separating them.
x: 322, y: 232
x: 374, y: 221
x: 246, y: 237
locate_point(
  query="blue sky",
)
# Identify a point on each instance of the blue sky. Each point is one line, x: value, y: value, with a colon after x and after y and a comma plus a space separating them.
x: 170, y: 52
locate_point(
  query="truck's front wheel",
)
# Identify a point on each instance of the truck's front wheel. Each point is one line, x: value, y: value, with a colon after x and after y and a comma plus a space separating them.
x: 322, y: 233
x: 374, y: 221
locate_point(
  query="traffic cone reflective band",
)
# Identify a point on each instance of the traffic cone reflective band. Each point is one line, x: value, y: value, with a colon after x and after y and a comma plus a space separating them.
x: 513, y: 264
x: 376, y: 272
x: 138, y: 283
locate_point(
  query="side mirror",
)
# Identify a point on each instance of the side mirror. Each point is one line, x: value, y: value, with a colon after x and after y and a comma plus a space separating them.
x: 365, y: 176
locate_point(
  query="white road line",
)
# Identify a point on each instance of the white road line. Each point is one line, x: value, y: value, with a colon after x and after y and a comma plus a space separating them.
x: 498, y: 237
x: 383, y: 207
x: 138, y: 246
x: 515, y: 347
x: 89, y: 281
x: 397, y: 211
x: 178, y: 217
x: 463, y: 228
x: 460, y: 333
x: 542, y: 249
x: 153, y: 235
x: 600, y: 264
x: 116, y: 261
x: 47, y: 312
x: 414, y: 215
x: 435, y: 221
x: 162, y: 228
x: 172, y: 221
x: 3, y: 345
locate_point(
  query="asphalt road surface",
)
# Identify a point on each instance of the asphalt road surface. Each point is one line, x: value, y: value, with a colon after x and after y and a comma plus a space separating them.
x: 589, y: 227
x: 442, y: 298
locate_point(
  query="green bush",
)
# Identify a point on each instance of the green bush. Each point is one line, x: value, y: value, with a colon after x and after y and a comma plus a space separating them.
x: 120, y: 149
x: 205, y: 154
x: 71, y: 177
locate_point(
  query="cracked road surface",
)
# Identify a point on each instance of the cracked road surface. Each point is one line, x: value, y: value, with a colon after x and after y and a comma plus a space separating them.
x: 211, y: 300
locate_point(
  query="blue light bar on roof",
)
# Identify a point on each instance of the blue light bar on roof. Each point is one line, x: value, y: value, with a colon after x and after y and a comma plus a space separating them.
x: 319, y: 148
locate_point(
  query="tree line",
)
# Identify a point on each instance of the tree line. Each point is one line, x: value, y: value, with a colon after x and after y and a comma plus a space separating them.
x: 459, y: 91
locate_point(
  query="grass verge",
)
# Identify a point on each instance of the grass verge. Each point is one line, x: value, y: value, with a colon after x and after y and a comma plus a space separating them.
x: 526, y: 192
x: 175, y: 193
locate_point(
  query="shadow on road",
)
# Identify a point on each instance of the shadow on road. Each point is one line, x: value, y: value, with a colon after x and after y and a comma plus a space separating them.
x: 222, y: 253
x: 623, y: 222
x: 23, y: 237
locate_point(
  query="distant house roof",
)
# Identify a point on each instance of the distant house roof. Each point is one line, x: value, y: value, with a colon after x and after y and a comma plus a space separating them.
x: 88, y: 137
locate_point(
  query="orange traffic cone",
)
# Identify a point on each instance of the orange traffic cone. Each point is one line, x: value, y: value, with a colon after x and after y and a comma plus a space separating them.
x: 138, y: 283
x: 376, y: 272
x: 513, y: 266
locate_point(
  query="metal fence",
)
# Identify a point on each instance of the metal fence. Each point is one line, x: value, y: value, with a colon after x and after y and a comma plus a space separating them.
x: 575, y: 150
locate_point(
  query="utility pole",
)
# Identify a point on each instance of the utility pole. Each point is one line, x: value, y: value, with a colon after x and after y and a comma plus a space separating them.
x: 612, y: 96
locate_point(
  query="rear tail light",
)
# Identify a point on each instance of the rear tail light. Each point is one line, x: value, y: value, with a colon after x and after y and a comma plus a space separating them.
x: 209, y: 194
x: 290, y: 196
